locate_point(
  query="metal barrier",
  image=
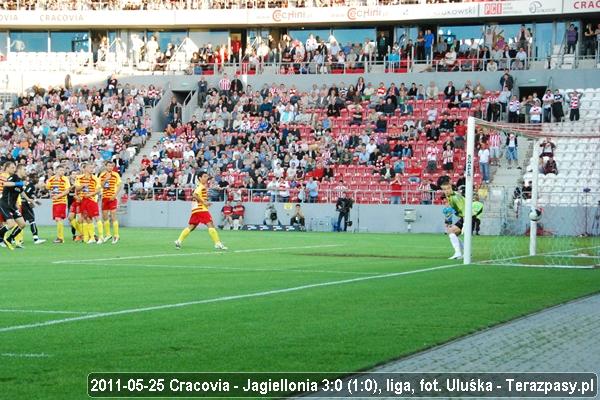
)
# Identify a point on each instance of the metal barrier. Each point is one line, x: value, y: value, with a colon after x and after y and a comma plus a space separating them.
x: 382, y: 195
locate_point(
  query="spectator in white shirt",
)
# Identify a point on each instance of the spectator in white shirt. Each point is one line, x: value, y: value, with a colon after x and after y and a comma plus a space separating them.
x: 513, y: 110
x: 432, y: 114
x: 535, y: 113
x: 484, y: 162
x: 520, y: 59
x: 371, y: 147
x: 547, y: 101
x: 432, y: 91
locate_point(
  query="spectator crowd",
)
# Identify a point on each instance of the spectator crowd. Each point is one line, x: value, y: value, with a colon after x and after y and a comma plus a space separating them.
x: 66, y: 126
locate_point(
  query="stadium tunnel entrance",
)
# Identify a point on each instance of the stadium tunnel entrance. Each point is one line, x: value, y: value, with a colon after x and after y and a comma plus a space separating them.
x: 525, y: 91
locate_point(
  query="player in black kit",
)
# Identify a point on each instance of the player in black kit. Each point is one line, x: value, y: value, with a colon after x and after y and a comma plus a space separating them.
x: 13, y: 187
x: 29, y: 202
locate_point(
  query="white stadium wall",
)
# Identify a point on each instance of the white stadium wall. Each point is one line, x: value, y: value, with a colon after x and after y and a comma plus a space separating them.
x: 365, y: 217
x: 372, y: 218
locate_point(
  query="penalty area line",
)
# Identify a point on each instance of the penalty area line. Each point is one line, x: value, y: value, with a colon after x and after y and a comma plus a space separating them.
x: 25, y: 355
x: 203, y: 253
x: 303, y: 269
x: 222, y: 299
x: 10, y: 310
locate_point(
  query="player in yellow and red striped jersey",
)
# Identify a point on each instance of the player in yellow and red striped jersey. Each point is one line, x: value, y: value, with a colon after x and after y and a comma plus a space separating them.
x: 200, y: 214
x: 58, y: 185
x: 110, y: 180
x: 88, y: 187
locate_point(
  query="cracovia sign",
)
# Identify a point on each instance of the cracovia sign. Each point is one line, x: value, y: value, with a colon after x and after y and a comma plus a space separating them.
x: 581, y: 5
x: 8, y: 17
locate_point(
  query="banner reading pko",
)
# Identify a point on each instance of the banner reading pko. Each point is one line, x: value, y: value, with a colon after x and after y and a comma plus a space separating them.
x: 531, y: 7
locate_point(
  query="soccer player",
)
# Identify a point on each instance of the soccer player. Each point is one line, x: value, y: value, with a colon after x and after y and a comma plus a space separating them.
x: 3, y: 177
x: 58, y: 186
x: 73, y: 202
x: 456, y: 202
x: 200, y: 214
x: 12, y: 189
x: 28, y: 205
x: 111, y: 184
x: 88, y: 186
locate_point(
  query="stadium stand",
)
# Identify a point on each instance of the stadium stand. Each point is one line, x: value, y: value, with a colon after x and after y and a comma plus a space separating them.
x: 363, y: 139
x: 64, y: 125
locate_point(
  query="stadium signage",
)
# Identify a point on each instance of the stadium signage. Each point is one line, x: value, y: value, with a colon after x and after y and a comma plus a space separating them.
x: 507, y: 8
x: 281, y: 15
x: 244, y: 17
x: 61, y: 18
x: 8, y: 18
x: 354, y: 14
x: 581, y: 5
x: 456, y: 12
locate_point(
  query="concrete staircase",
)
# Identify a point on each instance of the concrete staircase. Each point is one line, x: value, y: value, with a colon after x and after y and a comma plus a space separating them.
x: 498, y: 209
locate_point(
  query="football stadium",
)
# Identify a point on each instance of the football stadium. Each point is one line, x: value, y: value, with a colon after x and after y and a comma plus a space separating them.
x: 299, y: 198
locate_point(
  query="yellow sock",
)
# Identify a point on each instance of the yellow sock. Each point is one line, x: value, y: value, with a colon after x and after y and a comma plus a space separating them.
x: 91, y: 230
x: 60, y: 230
x: 84, y: 231
x: 100, y: 230
x: 116, y: 228
x: 73, y: 223
x: 107, y: 227
x: 214, y: 235
x: 79, y: 227
x: 184, y: 234
x: 20, y: 237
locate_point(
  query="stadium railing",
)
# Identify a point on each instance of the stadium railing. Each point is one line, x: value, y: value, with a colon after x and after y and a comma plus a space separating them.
x: 177, y: 65
x: 370, y: 194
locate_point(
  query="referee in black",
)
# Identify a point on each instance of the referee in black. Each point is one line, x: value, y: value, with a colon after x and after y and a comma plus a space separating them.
x: 13, y: 187
x: 29, y: 203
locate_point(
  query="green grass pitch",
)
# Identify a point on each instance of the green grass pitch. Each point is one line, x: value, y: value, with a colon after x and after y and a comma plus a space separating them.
x: 274, y: 302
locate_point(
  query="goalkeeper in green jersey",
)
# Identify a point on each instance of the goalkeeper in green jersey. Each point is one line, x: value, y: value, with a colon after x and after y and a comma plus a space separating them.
x: 456, y: 206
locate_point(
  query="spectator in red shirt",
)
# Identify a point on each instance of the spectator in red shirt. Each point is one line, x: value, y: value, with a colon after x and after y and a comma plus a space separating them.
x: 226, y: 215
x: 145, y: 162
x: 238, y: 215
x: 460, y: 131
x: 396, y: 190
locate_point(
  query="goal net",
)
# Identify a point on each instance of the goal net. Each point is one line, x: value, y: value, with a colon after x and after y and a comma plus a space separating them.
x: 551, y: 216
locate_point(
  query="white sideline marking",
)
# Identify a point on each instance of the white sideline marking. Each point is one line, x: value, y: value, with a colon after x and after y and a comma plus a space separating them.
x: 220, y: 299
x: 24, y: 355
x: 44, y: 311
x: 204, y: 253
x: 242, y: 269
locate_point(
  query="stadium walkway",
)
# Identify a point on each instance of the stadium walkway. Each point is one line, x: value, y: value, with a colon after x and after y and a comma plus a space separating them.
x: 564, y: 338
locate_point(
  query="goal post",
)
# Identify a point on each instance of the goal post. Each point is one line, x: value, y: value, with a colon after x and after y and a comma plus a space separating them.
x: 565, y: 201
x: 469, y: 172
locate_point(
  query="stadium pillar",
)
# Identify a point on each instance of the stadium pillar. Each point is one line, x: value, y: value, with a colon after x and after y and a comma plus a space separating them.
x: 469, y: 166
